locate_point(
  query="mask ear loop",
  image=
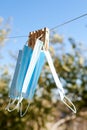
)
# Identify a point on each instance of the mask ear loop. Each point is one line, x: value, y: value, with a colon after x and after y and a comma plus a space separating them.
x: 69, y: 104
x: 67, y: 101
x: 64, y: 99
x: 12, y: 103
x: 21, y: 108
x: 18, y: 105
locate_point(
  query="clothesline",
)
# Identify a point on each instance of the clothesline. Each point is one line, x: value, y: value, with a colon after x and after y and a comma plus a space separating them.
x: 53, y: 28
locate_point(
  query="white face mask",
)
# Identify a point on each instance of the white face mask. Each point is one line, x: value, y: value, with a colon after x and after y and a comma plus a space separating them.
x: 64, y: 99
x: 29, y: 64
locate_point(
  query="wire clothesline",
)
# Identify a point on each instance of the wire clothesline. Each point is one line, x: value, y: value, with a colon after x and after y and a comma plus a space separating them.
x: 67, y: 22
x: 53, y: 28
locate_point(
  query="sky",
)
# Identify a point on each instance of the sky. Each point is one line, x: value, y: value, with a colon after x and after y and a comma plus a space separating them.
x: 30, y: 15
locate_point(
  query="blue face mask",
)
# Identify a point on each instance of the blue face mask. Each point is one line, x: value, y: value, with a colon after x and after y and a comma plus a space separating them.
x: 12, y: 92
x: 21, y: 71
x: 35, y: 76
x: 25, y: 60
x: 27, y: 72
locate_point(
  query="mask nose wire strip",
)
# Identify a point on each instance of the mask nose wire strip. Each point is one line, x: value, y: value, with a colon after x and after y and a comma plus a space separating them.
x: 58, y: 83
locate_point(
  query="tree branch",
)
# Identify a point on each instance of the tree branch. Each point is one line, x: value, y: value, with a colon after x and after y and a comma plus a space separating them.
x: 62, y: 121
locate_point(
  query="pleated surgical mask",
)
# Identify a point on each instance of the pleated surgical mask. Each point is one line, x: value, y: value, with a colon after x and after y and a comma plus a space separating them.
x: 12, y: 92
x: 29, y: 65
x: 27, y: 72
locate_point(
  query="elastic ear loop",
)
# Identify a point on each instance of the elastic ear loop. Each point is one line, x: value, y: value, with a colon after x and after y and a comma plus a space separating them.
x: 67, y: 101
x: 64, y: 99
x: 69, y: 104
x: 11, y: 104
x: 21, y: 108
x: 19, y: 104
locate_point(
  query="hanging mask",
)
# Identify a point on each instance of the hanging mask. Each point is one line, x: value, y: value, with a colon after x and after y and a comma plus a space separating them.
x: 27, y: 72
x: 28, y: 68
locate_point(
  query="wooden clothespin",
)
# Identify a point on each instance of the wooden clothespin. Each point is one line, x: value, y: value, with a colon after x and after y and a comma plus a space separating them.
x: 42, y: 34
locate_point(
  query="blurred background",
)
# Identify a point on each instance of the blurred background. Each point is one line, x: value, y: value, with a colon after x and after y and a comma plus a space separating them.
x: 68, y: 48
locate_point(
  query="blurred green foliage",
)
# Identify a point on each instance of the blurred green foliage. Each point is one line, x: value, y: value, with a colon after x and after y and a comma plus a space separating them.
x: 5, y: 29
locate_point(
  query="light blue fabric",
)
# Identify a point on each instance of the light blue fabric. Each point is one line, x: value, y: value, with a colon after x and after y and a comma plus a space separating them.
x: 26, y: 56
x: 21, y: 69
x: 12, y: 92
x: 34, y: 79
x: 32, y: 64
